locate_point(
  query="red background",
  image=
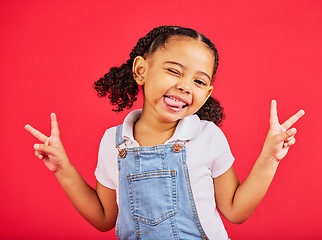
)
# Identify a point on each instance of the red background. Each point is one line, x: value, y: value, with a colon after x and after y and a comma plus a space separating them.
x: 52, y: 51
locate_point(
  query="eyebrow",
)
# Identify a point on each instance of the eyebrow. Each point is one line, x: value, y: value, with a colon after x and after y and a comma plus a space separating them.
x: 180, y: 65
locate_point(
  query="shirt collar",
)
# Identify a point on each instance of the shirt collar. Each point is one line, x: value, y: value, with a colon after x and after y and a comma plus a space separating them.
x: 187, y: 128
x: 128, y: 124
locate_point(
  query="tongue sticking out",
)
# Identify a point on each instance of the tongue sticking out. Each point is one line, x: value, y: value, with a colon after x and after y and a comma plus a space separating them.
x: 174, y: 102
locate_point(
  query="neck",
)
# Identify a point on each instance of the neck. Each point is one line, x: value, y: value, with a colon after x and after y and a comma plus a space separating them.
x: 149, y: 131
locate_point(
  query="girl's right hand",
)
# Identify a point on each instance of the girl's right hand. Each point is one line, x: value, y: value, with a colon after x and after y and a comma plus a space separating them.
x: 51, y: 151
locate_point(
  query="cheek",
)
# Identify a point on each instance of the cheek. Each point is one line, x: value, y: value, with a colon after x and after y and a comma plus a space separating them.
x: 202, y: 93
x: 153, y: 90
x: 159, y: 83
x: 201, y: 97
x: 153, y: 86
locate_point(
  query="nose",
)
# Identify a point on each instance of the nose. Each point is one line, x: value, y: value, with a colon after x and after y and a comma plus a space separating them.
x: 184, y: 86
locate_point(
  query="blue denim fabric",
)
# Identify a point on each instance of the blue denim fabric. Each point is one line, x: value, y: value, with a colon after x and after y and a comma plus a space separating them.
x: 155, y: 197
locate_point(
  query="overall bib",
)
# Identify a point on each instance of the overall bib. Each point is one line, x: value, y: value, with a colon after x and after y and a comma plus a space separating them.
x: 155, y: 197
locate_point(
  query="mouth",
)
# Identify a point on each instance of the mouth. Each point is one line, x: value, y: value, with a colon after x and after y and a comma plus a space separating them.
x: 175, y: 102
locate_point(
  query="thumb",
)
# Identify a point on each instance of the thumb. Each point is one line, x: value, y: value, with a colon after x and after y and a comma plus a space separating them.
x: 286, y: 134
x: 48, y: 150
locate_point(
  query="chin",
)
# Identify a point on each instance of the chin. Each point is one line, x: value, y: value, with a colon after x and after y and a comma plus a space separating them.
x: 174, y: 117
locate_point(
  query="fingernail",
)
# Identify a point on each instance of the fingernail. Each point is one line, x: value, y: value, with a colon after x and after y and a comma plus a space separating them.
x: 40, y: 156
x: 36, y: 146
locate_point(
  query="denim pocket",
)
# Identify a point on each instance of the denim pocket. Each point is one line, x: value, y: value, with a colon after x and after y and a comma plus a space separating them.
x: 153, y: 196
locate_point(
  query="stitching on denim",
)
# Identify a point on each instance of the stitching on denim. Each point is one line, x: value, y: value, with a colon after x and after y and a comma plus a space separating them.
x: 148, y: 149
x: 137, y: 162
x: 174, y: 228
x: 117, y: 233
x: 160, y: 149
x: 143, y: 175
x: 174, y: 191
x: 154, y: 222
x: 137, y: 231
x: 148, y: 175
x: 117, y: 227
x: 162, y: 156
x: 175, y: 199
x: 195, y: 214
x: 119, y: 140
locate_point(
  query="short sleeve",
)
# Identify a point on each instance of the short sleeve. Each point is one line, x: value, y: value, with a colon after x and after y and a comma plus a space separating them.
x: 106, y: 171
x: 223, y: 158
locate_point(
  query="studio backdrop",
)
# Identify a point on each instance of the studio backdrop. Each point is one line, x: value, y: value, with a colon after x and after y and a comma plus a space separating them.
x: 51, y: 52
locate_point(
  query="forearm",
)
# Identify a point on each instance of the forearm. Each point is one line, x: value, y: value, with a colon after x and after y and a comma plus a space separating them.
x: 238, y: 201
x: 98, y: 206
x: 251, y: 192
x: 84, y: 198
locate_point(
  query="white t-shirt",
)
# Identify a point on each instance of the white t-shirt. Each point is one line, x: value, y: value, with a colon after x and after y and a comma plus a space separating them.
x: 208, y: 156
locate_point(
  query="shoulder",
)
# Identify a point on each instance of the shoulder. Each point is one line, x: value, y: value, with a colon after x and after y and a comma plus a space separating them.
x: 210, y: 150
x: 106, y: 170
x: 211, y: 132
x: 216, y: 148
x: 211, y: 141
x: 108, y: 139
x: 109, y: 133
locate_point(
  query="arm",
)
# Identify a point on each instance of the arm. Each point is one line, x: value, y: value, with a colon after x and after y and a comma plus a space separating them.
x: 98, y: 206
x: 238, y: 201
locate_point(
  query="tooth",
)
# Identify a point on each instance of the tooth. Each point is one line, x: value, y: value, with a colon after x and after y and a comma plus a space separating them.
x: 177, y: 100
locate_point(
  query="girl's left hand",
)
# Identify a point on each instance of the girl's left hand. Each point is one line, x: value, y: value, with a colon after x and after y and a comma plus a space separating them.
x: 52, y: 151
x: 279, y: 138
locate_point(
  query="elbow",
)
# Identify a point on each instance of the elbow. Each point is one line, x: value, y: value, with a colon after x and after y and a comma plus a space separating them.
x: 237, y: 220
x: 235, y: 217
x: 104, y: 225
x: 104, y: 228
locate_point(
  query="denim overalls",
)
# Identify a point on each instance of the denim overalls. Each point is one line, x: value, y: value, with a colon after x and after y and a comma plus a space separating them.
x: 155, y: 197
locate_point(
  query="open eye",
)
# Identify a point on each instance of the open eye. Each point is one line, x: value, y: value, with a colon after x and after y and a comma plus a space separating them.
x: 200, y: 82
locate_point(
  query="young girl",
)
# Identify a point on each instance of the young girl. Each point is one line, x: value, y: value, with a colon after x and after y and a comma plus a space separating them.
x: 166, y: 170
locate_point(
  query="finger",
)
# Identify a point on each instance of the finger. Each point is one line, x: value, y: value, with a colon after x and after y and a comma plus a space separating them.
x: 289, y: 139
x: 289, y: 122
x: 290, y: 143
x: 54, y: 125
x: 43, y: 149
x: 40, y: 136
x: 287, y: 134
x: 40, y: 155
x: 273, y: 117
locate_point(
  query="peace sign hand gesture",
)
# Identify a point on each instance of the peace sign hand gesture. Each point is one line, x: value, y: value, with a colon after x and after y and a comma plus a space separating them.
x: 280, y: 137
x: 51, y: 151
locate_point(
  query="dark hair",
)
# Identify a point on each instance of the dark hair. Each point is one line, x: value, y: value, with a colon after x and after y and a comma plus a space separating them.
x: 122, y: 89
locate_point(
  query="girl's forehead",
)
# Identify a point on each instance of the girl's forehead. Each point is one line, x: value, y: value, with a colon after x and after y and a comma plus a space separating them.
x: 183, y: 47
x: 177, y: 41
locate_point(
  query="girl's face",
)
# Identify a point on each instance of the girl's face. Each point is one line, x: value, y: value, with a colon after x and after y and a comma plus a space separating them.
x: 177, y: 79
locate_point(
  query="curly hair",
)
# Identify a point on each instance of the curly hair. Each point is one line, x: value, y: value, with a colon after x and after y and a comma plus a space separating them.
x: 122, y: 89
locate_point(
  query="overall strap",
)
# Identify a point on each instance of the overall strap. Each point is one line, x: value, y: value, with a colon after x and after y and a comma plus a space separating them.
x: 118, y: 138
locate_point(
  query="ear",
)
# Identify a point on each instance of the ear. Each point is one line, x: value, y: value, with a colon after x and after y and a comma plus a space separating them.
x: 209, y: 93
x: 138, y: 69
